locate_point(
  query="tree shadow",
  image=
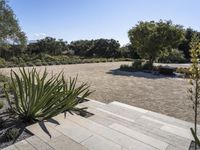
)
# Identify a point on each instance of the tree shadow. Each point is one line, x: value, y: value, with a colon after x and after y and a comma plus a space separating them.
x: 140, y: 74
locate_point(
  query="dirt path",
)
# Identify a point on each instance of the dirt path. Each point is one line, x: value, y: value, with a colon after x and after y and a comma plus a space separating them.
x: 156, y: 93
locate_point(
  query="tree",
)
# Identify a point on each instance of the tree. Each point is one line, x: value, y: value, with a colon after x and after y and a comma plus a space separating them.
x: 150, y: 38
x: 185, y: 44
x: 128, y: 51
x: 10, y: 32
x: 95, y: 48
x: 195, y: 82
x: 48, y: 45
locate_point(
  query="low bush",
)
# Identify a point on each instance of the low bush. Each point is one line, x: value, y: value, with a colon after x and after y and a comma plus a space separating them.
x: 38, y: 97
x: 3, y: 78
x: 38, y: 63
x: 1, y: 104
x: 11, y: 134
x: 185, y: 71
x: 166, y: 70
x: 30, y: 64
x: 137, y: 64
x: 2, y: 61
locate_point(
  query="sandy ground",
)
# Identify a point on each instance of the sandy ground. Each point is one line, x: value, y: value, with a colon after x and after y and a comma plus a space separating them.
x: 156, y: 93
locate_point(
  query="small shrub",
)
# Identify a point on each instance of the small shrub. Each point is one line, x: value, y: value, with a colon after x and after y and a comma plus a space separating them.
x: 146, y: 65
x: 44, y: 63
x: 38, y: 63
x: 166, y: 70
x: 11, y: 134
x: 185, y: 71
x: 3, y: 78
x: 1, y: 104
x: 125, y: 67
x: 51, y: 63
x: 137, y: 64
x: 30, y: 64
x: 2, y: 62
x: 21, y: 65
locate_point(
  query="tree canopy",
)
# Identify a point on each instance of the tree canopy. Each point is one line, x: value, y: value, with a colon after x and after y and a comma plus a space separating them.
x: 48, y: 45
x: 10, y: 31
x: 95, y: 48
x: 150, y: 38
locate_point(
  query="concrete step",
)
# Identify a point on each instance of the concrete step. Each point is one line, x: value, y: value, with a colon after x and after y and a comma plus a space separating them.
x: 110, y: 134
x: 91, y: 103
x: 82, y: 135
x: 145, y: 128
x: 140, y: 136
x: 163, y: 119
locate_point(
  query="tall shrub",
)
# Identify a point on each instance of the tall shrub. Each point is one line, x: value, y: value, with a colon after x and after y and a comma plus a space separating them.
x: 195, y: 83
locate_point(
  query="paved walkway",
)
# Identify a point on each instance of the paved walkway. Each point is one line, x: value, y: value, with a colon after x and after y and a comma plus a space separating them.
x: 114, y: 126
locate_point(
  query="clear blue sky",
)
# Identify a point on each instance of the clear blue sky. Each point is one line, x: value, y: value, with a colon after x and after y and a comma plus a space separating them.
x: 91, y: 19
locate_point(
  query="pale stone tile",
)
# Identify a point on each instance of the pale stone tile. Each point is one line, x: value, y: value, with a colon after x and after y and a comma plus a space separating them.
x: 139, y: 136
x: 12, y: 147
x: 24, y: 145
x: 100, y: 143
x: 75, y: 132
x: 116, y: 115
x: 38, y: 143
x: 45, y: 132
x: 145, y: 129
x: 128, y: 107
x: 127, y: 113
x: 171, y: 147
x: 171, y: 120
x: 110, y: 134
x: 65, y: 143
x: 178, y: 131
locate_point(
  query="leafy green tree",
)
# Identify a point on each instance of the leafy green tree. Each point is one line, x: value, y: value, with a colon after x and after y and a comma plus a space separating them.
x: 95, y: 48
x: 150, y: 38
x: 48, y: 45
x: 10, y: 32
x: 185, y: 44
x: 81, y: 47
x: 128, y: 51
x: 195, y: 82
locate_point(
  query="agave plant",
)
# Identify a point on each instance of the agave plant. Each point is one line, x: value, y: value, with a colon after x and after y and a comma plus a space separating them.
x: 37, y: 97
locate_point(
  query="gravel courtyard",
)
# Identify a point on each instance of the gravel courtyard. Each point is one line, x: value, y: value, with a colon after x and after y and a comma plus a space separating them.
x: 156, y: 93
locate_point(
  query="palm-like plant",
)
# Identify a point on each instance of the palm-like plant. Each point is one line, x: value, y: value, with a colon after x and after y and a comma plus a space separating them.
x: 37, y: 97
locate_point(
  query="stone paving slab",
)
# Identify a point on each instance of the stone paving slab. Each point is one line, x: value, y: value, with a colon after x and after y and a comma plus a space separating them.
x: 153, y: 132
x: 38, y: 143
x: 12, y: 147
x: 115, y: 103
x: 147, y: 127
x: 100, y: 143
x: 65, y: 143
x: 128, y: 113
x: 110, y: 134
x: 141, y: 137
x: 44, y: 132
x: 71, y: 129
x: 163, y: 119
x: 24, y: 145
x: 178, y: 131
